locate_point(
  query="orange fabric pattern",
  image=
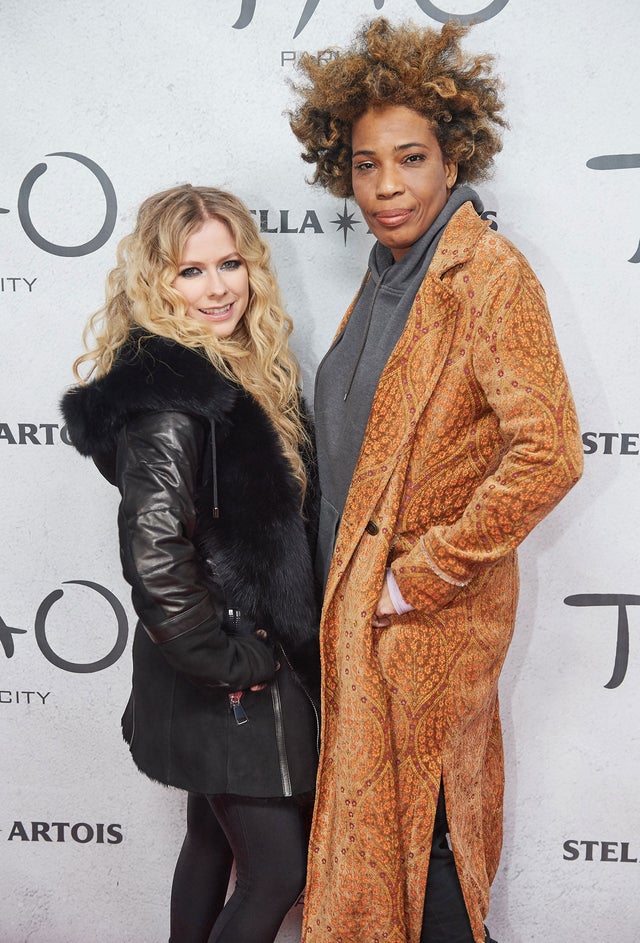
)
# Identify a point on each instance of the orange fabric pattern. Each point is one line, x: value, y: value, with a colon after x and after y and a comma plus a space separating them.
x: 472, y: 440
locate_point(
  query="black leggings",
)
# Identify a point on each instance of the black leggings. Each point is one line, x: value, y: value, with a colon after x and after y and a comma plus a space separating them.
x: 267, y: 839
x: 445, y: 914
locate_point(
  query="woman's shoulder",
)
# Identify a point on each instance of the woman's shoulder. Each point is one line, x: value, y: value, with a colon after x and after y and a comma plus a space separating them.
x: 150, y: 375
x: 470, y: 238
x: 474, y: 257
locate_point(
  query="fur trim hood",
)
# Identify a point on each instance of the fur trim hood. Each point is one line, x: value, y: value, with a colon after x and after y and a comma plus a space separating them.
x: 150, y: 373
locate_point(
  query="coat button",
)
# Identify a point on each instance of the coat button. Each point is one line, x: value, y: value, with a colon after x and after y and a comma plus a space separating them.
x: 372, y: 528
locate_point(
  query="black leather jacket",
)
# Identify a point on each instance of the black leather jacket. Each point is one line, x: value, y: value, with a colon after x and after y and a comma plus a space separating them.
x: 177, y: 438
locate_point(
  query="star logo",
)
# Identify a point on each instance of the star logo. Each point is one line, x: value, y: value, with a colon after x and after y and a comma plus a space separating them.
x: 346, y: 222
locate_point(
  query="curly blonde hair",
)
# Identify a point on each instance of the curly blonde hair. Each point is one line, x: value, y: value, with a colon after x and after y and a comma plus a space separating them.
x: 140, y: 294
x: 420, y: 68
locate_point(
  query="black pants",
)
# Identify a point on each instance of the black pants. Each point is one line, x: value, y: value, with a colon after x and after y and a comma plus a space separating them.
x: 445, y: 917
x: 268, y: 841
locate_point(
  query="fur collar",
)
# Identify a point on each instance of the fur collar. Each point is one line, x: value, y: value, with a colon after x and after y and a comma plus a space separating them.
x: 150, y: 373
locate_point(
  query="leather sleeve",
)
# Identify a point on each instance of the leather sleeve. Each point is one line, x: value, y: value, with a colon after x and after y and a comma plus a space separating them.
x: 158, y: 468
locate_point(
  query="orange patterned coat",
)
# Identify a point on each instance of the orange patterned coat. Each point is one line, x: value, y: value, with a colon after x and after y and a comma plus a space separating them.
x: 471, y: 441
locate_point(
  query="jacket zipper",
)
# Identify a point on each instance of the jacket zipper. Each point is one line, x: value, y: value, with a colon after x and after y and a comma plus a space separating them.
x: 234, y: 696
x: 240, y: 716
x: 238, y: 710
x: 280, y: 741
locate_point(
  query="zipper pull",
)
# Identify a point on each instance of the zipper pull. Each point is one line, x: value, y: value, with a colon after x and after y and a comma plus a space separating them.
x: 238, y: 710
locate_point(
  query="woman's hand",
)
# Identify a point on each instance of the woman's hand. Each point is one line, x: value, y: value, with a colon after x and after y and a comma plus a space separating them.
x: 384, y: 609
x: 261, y: 633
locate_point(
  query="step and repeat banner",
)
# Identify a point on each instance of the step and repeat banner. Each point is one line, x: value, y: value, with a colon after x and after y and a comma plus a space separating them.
x: 105, y: 103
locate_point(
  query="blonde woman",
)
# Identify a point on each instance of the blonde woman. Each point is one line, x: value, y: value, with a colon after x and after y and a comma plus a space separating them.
x: 193, y: 412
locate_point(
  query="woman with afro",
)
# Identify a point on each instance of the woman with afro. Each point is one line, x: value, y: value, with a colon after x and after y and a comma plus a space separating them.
x: 446, y: 431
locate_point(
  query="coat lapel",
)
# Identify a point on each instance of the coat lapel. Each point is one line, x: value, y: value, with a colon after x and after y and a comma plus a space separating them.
x: 405, y: 387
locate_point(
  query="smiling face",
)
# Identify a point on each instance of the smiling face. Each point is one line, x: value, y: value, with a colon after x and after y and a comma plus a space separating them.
x: 213, y: 278
x: 401, y: 180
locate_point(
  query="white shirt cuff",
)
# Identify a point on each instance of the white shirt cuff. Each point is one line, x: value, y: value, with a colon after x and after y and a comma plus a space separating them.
x: 399, y: 604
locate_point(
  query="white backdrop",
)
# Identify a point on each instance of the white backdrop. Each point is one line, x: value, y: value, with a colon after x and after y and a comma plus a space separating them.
x: 159, y: 93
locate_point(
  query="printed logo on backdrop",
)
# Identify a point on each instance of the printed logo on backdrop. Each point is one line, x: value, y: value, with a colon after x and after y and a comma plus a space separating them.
x: 41, y: 241
x: 618, y: 602
x: 82, y: 833
x: 589, y: 850
x: 33, y: 433
x: 10, y: 636
x: 611, y: 443
x: 289, y: 222
x: 617, y: 162
x: 439, y: 13
x: 16, y: 283
x: 302, y: 222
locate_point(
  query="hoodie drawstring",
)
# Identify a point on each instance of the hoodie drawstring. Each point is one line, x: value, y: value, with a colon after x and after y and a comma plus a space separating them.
x: 216, y: 507
x: 365, y: 333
